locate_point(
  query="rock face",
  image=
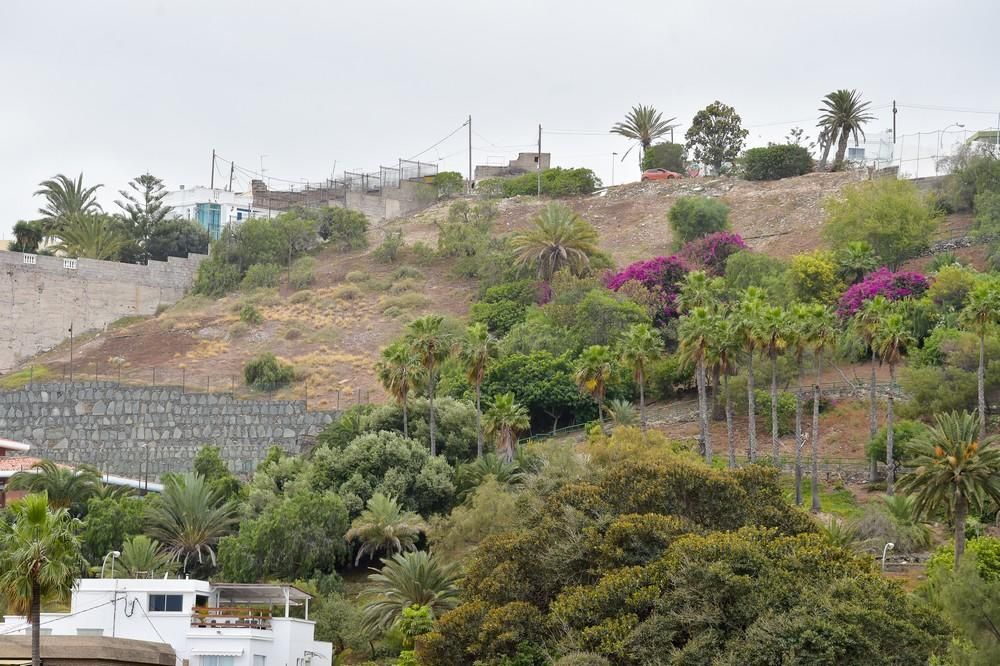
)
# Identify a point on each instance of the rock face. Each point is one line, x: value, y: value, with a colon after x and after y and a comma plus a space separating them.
x: 111, y: 426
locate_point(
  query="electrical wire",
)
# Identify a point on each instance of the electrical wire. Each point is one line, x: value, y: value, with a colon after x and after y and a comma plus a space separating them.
x: 61, y: 617
x: 453, y: 133
x: 953, y: 109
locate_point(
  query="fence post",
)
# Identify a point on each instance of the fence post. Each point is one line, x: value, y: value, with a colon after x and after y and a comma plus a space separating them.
x: 183, y: 377
x: 154, y: 376
x: 338, y: 400
x: 208, y: 384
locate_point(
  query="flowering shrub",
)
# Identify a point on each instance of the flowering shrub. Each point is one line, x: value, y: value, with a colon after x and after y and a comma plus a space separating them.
x: 713, y: 250
x: 894, y: 286
x: 660, y: 276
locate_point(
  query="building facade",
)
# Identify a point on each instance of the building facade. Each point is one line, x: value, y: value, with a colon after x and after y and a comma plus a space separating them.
x: 212, y: 208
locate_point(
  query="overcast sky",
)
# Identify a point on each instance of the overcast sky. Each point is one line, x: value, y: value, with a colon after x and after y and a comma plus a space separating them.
x: 116, y: 88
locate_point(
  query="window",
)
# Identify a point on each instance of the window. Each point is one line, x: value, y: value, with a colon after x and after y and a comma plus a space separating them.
x: 259, y: 660
x: 215, y: 660
x: 89, y: 632
x: 856, y: 154
x: 169, y: 603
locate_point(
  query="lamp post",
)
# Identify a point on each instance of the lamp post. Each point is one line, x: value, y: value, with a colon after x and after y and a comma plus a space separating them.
x: 114, y: 555
x: 889, y: 546
x: 941, y: 142
x: 613, y: 156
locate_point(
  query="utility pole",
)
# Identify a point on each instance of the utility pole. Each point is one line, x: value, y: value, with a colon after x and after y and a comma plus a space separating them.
x: 893, y: 122
x: 212, y: 185
x: 232, y: 167
x: 71, y: 352
x: 469, y: 122
x: 538, y: 162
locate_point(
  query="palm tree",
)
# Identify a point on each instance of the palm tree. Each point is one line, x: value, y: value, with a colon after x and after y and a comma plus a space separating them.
x: 774, y: 335
x: 892, y: 339
x: 698, y: 289
x: 66, y: 200
x: 722, y: 355
x: 593, y: 372
x: 867, y: 321
x: 143, y: 557
x: 747, y: 330
x: 477, y: 349
x: 384, y: 527
x: 639, y: 346
x: 622, y: 412
x: 65, y: 487
x: 800, y: 325
x: 39, y: 557
x: 842, y: 114
x: 696, y: 332
x: 189, y: 517
x: 398, y: 370
x: 471, y: 475
x: 506, y: 419
x: 27, y: 236
x: 90, y: 237
x: 822, y: 334
x: 432, y: 345
x: 955, y: 469
x: 643, y: 124
x: 409, y: 579
x: 559, y: 239
x: 855, y: 260
x: 982, y: 312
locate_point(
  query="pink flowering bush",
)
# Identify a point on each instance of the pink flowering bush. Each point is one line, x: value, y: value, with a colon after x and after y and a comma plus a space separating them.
x: 712, y: 251
x: 661, y: 276
x: 893, y: 286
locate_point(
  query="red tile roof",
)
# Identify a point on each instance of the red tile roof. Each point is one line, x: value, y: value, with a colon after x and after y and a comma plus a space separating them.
x: 17, y: 463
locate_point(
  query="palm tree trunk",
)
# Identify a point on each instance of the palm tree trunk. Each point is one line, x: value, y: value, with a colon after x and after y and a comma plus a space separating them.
x: 36, y: 611
x: 430, y: 405
x: 838, y: 163
x: 775, y: 449
x: 982, y: 386
x: 730, y: 442
x: 703, y: 412
x: 406, y: 417
x: 716, y: 404
x: 798, y: 436
x: 479, y: 422
x: 890, y: 436
x: 815, y: 435
x: 751, y: 412
x: 600, y: 412
x: 872, y: 419
x: 642, y: 403
x: 826, y: 151
x: 961, y: 508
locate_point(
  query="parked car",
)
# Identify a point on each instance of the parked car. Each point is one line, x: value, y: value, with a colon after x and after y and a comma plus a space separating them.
x: 660, y: 174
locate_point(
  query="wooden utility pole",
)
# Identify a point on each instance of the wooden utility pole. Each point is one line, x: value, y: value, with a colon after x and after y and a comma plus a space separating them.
x: 232, y: 166
x: 538, y: 162
x: 212, y: 181
x: 469, y: 122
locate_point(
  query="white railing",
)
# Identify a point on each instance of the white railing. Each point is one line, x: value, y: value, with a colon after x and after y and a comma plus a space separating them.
x: 69, y: 264
x: 30, y: 259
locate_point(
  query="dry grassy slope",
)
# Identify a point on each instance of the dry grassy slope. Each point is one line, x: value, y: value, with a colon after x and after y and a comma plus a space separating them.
x: 333, y: 332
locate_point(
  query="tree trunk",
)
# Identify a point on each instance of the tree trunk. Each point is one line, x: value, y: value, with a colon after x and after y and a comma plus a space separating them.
x: 730, y: 442
x: 961, y: 508
x: 775, y: 448
x: 826, y: 151
x: 838, y: 163
x: 798, y: 437
x: 406, y: 419
x: 717, y: 411
x: 872, y: 419
x: 642, y: 403
x: 703, y: 413
x: 982, y: 386
x: 36, y: 611
x: 815, y: 435
x: 890, y: 436
x: 430, y: 405
x: 751, y: 412
x: 479, y: 421
x: 600, y: 412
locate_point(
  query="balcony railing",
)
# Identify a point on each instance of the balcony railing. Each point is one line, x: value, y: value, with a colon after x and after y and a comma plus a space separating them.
x: 231, y: 617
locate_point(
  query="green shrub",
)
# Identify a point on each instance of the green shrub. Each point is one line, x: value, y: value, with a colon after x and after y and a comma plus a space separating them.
x: 250, y: 315
x: 448, y: 183
x: 582, y: 659
x: 786, y: 410
x: 302, y: 272
x: 776, y: 161
x: 499, y: 316
x: 973, y: 173
x: 300, y: 297
x: 985, y: 550
x: 693, y: 217
x: 669, y: 377
x: 344, y: 229
x: 392, y: 243
x: 667, y: 155
x: 261, y: 276
x: 403, y: 286
x: 266, y: 372
x: 904, y: 431
x: 392, y: 311
x: 404, y: 272
x: 404, y: 301
x: 216, y: 278
x: 346, y: 292
x: 490, y: 187
x: 555, y: 182
x: 422, y: 253
x: 356, y: 276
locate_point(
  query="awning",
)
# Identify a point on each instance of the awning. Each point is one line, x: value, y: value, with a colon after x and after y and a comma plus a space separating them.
x: 232, y: 652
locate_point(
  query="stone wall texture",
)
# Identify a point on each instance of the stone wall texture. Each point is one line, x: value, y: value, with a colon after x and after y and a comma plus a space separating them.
x: 111, y: 426
x: 41, y: 299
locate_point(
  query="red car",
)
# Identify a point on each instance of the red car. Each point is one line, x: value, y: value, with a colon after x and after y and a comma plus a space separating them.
x: 660, y: 174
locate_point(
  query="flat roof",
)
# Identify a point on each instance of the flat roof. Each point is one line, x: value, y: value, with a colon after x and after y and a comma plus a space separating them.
x: 261, y: 593
x: 11, y: 445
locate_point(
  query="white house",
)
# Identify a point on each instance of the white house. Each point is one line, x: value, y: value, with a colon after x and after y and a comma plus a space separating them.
x: 212, y: 208
x: 207, y: 624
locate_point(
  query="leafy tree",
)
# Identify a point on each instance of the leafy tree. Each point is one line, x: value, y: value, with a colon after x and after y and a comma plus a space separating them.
x: 261, y: 276
x: 176, y: 238
x: 776, y: 161
x: 27, y: 236
x: 384, y: 527
x: 109, y: 523
x: 643, y: 124
x: 90, y: 237
x: 466, y: 231
x: 543, y: 383
x: 478, y: 348
x: 66, y: 200
x: 555, y: 182
x: 600, y: 317
x: 755, y: 269
x: 143, y: 557
x: 144, y: 210
x: 505, y: 419
x: 855, y: 260
x: 692, y: 217
x: 266, y: 373
x: 189, y: 518
x: 216, y: 278
x: 812, y: 278
x: 432, y: 345
x: 890, y: 215
x: 344, y: 228
x: 696, y: 331
x: 668, y: 156
x: 448, y: 183
x: 892, y: 339
x: 39, y: 558
x: 399, y: 370
x: 66, y: 487
x: 560, y: 239
x: 980, y: 314
x: 716, y: 135
x: 489, y: 508
x: 208, y: 464
x: 842, y: 115
x: 405, y: 580
x: 955, y: 470
x: 593, y: 372
x: 637, y: 348
x: 904, y: 431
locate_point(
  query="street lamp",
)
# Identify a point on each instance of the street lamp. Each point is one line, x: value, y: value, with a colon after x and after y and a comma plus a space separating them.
x: 889, y: 546
x: 941, y: 142
x: 613, y: 156
x: 114, y: 555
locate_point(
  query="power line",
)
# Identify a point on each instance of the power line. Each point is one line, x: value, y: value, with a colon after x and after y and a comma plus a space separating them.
x: 61, y: 617
x: 953, y: 109
x: 453, y: 133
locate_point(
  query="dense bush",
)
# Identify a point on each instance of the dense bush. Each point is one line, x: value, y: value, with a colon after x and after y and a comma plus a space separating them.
x: 302, y: 272
x: 260, y: 276
x: 250, y: 315
x: 448, y: 183
x: 693, y: 217
x: 904, y: 431
x: 667, y: 155
x: 556, y: 182
x: 776, y: 161
x: 786, y: 410
x: 812, y: 278
x: 176, y: 238
x: 344, y: 229
x: 216, y: 278
x: 499, y: 316
x: 756, y: 269
x: 669, y: 377
x: 985, y: 550
x: 713, y: 251
x: 265, y: 372
x: 951, y: 285
x: 660, y: 276
x: 883, y: 282
x: 388, y: 251
x: 973, y: 173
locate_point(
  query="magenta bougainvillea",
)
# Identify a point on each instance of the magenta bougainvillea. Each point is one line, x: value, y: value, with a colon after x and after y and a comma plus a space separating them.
x: 662, y: 276
x: 893, y: 286
x: 713, y: 250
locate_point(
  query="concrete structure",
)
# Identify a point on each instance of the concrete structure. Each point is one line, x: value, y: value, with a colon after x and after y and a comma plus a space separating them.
x: 213, y: 209
x: 525, y: 163
x: 207, y: 624
x: 134, y: 430
x: 87, y: 651
x: 41, y: 297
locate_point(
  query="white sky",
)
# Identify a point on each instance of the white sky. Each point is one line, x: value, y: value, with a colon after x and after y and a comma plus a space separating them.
x: 115, y: 88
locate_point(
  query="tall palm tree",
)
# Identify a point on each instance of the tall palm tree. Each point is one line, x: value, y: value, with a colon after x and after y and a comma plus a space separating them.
x: 639, y: 346
x: 774, y: 335
x: 892, y: 339
x: 560, y: 239
x: 698, y: 289
x: 66, y: 199
x: 955, y: 469
x: 982, y: 312
x: 143, y: 557
x: 843, y: 114
x: 722, y: 355
x: 506, y: 419
x: 27, y: 236
x: 189, y: 518
x: 39, y: 557
x: 822, y: 334
x: 593, y: 372
x: 432, y: 345
x: 407, y: 579
x: 696, y: 332
x: 477, y: 349
x: 747, y: 317
x: 867, y: 321
x: 384, y: 527
x: 65, y: 487
x: 800, y: 326
x: 90, y: 237
x: 643, y: 124
x: 398, y: 370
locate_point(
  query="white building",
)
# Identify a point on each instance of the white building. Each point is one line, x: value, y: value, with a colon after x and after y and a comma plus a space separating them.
x: 213, y: 209
x: 207, y: 624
